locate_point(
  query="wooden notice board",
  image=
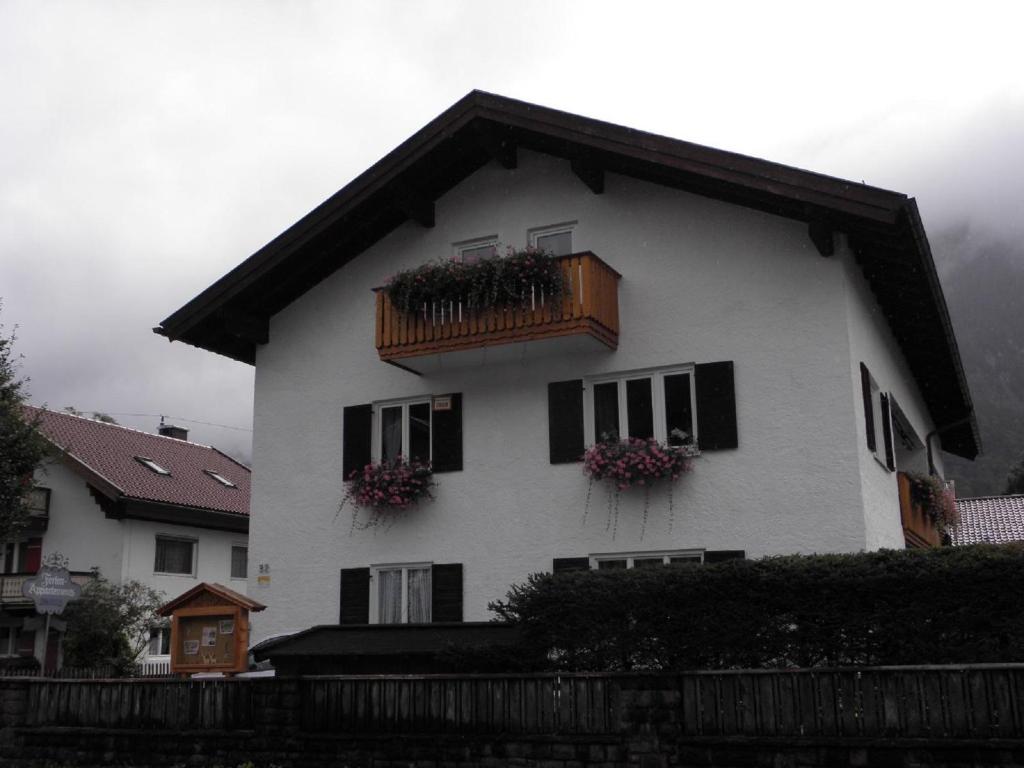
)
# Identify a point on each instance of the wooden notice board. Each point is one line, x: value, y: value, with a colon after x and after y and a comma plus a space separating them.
x: 210, y: 630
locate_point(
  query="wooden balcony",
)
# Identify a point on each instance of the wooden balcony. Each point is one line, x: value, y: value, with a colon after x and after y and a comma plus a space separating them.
x: 590, y: 307
x: 918, y: 528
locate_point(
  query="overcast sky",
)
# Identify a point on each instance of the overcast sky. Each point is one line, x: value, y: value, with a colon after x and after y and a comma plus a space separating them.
x: 148, y: 147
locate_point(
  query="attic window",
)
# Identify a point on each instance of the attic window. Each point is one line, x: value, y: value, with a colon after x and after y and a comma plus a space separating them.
x: 152, y: 465
x: 220, y: 478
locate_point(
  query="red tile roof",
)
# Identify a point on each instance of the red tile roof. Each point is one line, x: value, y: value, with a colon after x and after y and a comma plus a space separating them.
x: 989, y: 519
x: 108, y: 451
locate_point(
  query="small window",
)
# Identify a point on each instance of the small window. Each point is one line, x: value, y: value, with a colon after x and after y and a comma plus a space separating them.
x: 175, y: 556
x: 152, y: 465
x: 220, y: 478
x: 403, y: 593
x: 619, y: 561
x: 39, y: 502
x: 556, y: 240
x: 645, y: 404
x: 239, y: 562
x: 160, y: 641
x: 404, y: 430
x: 470, y: 251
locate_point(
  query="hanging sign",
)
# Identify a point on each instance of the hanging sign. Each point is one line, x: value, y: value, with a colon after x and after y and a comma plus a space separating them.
x: 51, y: 590
x: 443, y: 403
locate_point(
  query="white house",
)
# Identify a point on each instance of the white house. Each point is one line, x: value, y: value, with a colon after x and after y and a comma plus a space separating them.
x: 792, y: 322
x: 132, y: 506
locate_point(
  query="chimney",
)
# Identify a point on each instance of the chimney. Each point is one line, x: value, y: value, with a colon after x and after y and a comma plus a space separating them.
x: 169, y: 430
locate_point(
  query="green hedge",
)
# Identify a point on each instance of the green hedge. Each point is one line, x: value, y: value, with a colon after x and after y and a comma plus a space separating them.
x: 941, y: 606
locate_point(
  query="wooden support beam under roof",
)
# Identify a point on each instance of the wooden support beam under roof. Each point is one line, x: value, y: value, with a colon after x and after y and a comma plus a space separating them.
x: 413, y: 204
x: 498, y: 143
x: 589, y: 173
x: 823, y: 237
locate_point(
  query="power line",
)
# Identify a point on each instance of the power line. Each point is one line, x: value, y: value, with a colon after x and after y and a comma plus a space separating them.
x: 174, y: 418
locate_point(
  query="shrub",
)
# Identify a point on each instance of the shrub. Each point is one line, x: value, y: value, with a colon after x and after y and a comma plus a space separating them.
x: 939, y: 606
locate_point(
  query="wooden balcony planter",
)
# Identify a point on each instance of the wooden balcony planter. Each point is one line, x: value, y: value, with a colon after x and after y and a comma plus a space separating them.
x: 918, y: 528
x: 590, y: 306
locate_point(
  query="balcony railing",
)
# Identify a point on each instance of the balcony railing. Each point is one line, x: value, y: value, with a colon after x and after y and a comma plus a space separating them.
x: 10, y: 586
x: 589, y: 306
x: 919, y: 530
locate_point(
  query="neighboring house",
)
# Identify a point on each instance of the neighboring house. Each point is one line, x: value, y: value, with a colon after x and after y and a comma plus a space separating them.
x: 792, y: 322
x: 988, y: 520
x: 132, y: 506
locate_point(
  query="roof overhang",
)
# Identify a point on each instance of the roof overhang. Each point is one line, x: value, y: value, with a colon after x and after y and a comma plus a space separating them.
x: 232, y: 316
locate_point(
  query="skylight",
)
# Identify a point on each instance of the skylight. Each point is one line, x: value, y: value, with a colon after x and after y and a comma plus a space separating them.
x: 152, y: 465
x: 220, y: 478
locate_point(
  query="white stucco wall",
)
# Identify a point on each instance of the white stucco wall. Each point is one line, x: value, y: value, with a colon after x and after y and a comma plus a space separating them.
x: 872, y: 343
x: 702, y: 281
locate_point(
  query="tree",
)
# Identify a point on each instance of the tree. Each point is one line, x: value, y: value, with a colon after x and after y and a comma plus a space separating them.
x: 110, y: 624
x: 21, y: 446
x: 106, y: 418
x: 1015, y: 479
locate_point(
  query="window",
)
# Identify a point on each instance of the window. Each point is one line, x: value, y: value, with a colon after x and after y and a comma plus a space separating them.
x: 152, y: 465
x: 469, y: 251
x: 39, y: 502
x: 877, y: 420
x: 403, y: 429
x: 556, y: 240
x: 160, y: 641
x: 654, y: 403
x: 175, y: 556
x: 220, y: 478
x: 402, y: 593
x: 620, y: 561
x: 239, y: 561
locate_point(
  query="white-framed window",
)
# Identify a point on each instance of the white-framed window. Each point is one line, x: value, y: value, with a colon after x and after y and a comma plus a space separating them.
x: 175, y: 555
x: 400, y: 593
x: 152, y: 466
x: 555, y: 239
x: 657, y: 402
x: 402, y: 428
x: 623, y: 560
x: 159, y: 641
x: 469, y: 251
x: 220, y: 478
x: 239, y: 561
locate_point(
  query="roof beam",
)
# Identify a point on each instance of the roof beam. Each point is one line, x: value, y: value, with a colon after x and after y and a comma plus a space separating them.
x: 499, y: 146
x: 413, y: 204
x: 255, y: 330
x: 823, y: 237
x: 589, y: 173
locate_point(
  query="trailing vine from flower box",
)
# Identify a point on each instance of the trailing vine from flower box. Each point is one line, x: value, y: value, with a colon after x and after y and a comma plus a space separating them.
x: 384, y: 489
x: 633, y: 462
x: 525, y: 277
x: 930, y: 493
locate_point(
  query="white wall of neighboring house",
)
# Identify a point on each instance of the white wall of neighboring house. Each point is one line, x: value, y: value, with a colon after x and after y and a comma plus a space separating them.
x: 702, y: 281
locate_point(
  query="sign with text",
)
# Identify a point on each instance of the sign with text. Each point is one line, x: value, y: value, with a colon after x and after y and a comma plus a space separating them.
x: 51, y: 590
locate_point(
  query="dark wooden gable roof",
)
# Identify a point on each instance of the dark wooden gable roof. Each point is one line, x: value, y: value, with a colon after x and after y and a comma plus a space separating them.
x: 231, y: 317
x: 210, y: 594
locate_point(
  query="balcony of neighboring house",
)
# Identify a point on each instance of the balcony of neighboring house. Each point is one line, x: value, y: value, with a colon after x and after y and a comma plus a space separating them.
x: 585, y: 312
x: 924, y: 513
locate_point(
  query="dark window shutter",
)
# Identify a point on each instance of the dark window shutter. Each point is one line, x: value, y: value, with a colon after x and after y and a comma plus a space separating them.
x: 869, y: 411
x: 565, y: 421
x: 446, y: 592
x: 890, y: 457
x: 563, y: 564
x: 716, y: 407
x: 355, y: 596
x: 720, y: 555
x: 446, y: 437
x: 355, y: 441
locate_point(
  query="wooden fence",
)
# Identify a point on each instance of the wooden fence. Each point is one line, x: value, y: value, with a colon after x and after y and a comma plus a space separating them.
x: 981, y: 701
